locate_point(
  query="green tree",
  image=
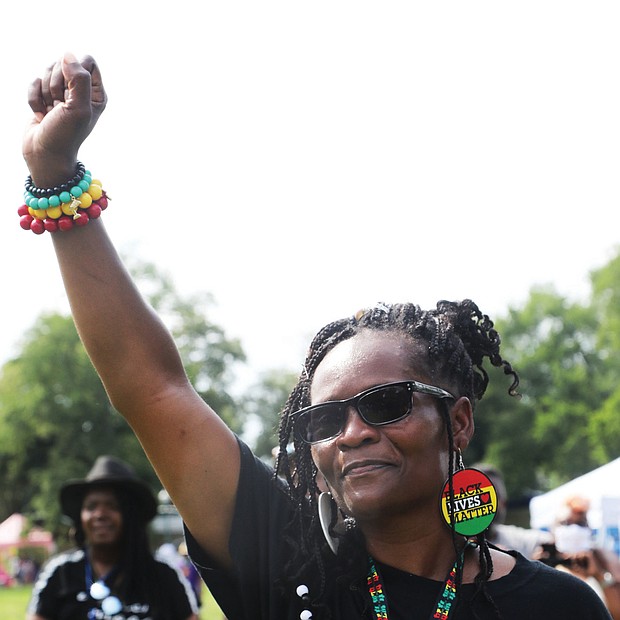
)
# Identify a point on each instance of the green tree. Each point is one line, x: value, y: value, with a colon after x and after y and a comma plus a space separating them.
x: 209, y: 356
x: 264, y: 404
x: 543, y: 439
x: 56, y: 419
x: 55, y: 415
x: 604, y: 423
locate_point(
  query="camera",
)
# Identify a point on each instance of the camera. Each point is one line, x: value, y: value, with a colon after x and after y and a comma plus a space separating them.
x: 552, y: 557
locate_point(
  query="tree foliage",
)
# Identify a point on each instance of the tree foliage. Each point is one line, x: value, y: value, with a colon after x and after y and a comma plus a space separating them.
x: 55, y: 417
x: 209, y: 356
x: 604, y: 423
x: 264, y: 402
x: 566, y: 422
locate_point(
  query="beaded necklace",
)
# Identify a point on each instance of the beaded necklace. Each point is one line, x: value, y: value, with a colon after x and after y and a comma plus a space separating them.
x: 99, y: 591
x: 444, y: 602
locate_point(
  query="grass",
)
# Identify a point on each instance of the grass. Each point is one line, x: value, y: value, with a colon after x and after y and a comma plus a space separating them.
x: 14, y: 600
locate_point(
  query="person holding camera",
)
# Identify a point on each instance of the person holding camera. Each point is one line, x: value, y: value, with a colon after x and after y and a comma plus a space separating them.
x: 573, y: 551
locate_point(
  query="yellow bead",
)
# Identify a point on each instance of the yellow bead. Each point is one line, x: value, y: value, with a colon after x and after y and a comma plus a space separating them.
x: 54, y: 212
x: 31, y: 211
x: 96, y: 182
x: 40, y: 214
x: 68, y: 208
x: 85, y: 200
x: 95, y: 190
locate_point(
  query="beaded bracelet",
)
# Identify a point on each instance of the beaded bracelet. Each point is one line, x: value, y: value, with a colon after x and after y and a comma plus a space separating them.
x: 41, y: 192
x: 73, y: 203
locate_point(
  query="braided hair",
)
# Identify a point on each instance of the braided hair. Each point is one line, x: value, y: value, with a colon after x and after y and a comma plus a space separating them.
x: 455, y: 338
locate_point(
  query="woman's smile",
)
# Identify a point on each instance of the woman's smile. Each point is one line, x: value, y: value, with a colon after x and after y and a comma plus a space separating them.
x: 363, y: 467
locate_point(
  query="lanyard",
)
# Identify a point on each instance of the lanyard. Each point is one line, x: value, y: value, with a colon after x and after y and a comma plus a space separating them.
x: 101, y: 592
x: 442, y: 607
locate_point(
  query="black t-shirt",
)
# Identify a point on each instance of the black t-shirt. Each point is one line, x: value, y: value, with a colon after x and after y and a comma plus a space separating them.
x: 253, y: 591
x: 60, y: 594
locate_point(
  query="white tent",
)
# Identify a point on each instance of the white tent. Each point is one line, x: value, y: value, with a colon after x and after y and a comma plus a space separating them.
x: 13, y: 535
x: 601, y: 486
x: 11, y: 530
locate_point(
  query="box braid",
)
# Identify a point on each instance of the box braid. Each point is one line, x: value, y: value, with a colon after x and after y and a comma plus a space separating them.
x: 457, y: 338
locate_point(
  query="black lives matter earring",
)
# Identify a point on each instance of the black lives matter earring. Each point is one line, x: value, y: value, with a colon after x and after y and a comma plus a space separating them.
x: 471, y: 504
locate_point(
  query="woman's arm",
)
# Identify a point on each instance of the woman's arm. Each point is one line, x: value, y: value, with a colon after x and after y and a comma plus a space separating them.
x: 193, y: 452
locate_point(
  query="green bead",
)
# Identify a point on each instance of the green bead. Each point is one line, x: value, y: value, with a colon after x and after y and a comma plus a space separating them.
x: 65, y: 197
x: 83, y: 185
x: 33, y: 203
x: 76, y: 191
x: 54, y: 201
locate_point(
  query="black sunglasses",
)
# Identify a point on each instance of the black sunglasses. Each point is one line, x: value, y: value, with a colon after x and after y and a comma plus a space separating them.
x: 381, y: 404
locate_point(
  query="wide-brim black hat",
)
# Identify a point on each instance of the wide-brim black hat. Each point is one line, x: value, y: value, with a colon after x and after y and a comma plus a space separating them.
x: 112, y: 472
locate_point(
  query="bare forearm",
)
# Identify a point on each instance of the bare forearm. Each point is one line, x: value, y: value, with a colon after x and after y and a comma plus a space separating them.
x: 195, y: 455
x: 128, y: 345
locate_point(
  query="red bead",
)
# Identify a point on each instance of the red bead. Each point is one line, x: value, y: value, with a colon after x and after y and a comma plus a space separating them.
x: 23, y: 210
x: 25, y: 221
x: 94, y: 211
x: 103, y: 202
x: 65, y: 223
x: 51, y: 225
x: 81, y: 219
x: 37, y: 227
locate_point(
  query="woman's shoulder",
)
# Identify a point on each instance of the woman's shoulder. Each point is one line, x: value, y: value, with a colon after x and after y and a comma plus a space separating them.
x: 534, y: 590
x: 64, y: 558
x: 536, y: 577
x: 66, y: 566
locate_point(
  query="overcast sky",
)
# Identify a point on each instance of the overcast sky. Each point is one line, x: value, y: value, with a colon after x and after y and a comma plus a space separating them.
x: 300, y: 160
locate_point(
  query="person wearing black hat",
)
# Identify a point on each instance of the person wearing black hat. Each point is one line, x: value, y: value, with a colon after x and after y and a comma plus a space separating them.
x: 113, y: 573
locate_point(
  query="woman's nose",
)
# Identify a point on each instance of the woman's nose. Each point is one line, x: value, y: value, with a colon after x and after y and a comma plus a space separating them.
x: 100, y: 511
x: 356, y: 431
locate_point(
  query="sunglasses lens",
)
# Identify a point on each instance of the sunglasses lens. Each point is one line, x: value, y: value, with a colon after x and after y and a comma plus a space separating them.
x: 321, y: 422
x: 385, y: 405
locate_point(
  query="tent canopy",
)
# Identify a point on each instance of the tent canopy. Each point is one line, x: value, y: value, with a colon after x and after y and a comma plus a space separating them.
x: 12, y: 534
x: 11, y: 529
x: 601, y: 486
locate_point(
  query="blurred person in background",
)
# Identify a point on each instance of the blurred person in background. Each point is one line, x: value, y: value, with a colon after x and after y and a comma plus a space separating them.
x: 112, y: 573
x: 572, y: 550
x: 190, y: 572
x: 526, y: 541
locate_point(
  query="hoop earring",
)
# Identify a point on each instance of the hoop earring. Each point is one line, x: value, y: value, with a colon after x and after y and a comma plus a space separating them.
x: 327, y: 505
x: 459, y: 460
x: 468, y: 500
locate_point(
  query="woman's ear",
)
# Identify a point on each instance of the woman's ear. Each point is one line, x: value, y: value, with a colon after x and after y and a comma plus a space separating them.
x: 462, y: 416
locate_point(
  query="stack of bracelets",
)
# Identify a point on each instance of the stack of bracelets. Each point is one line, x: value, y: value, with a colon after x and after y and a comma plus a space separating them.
x: 73, y: 203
